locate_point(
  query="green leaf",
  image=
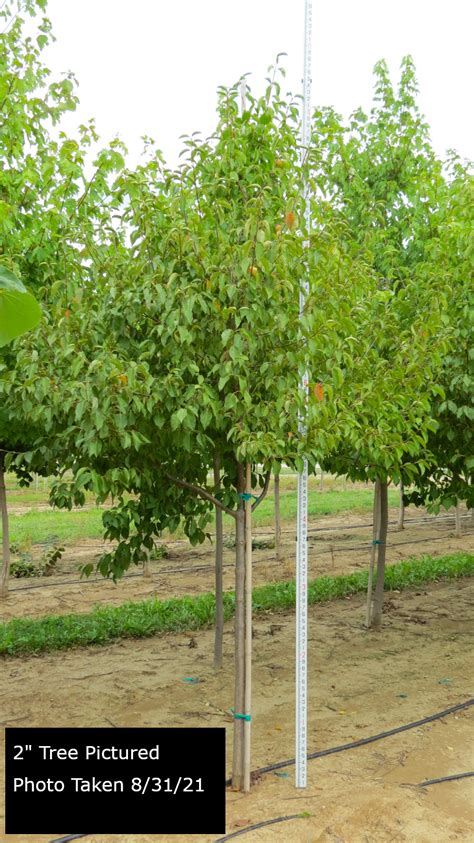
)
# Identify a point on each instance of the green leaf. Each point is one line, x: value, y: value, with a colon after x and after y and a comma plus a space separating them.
x: 19, y: 310
x: 178, y: 418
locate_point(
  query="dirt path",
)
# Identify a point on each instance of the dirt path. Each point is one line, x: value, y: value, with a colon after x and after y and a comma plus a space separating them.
x: 360, y: 683
x: 190, y: 570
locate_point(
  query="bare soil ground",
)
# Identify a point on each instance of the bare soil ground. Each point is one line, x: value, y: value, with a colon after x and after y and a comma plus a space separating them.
x: 360, y: 683
x: 334, y: 548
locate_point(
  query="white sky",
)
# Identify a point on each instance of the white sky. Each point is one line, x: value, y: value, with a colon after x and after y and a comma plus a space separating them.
x: 153, y: 66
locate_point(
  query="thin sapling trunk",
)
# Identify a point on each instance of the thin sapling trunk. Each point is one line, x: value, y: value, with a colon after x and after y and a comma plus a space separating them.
x: 277, y: 518
x: 6, y: 534
x: 457, y: 516
x: 401, y: 510
x: 146, y: 565
x: 381, y: 556
x: 375, y: 538
x: 219, y: 620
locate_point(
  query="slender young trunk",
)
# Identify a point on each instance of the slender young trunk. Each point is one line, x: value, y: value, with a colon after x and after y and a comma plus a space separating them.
x: 219, y: 622
x: 375, y: 539
x: 6, y: 534
x: 457, y: 515
x: 321, y: 481
x: 381, y: 555
x: 401, y: 511
x: 239, y: 627
x: 248, y: 627
x: 146, y: 565
x: 277, y: 518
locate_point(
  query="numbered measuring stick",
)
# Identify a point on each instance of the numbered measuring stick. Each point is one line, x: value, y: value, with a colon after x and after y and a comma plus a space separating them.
x: 302, y: 516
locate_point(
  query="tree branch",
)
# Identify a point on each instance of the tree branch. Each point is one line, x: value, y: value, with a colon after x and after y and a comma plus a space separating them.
x: 264, y: 491
x: 202, y: 492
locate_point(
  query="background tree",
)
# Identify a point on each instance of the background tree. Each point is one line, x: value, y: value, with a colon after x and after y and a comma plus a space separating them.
x: 53, y: 217
x: 450, y: 446
x: 380, y: 171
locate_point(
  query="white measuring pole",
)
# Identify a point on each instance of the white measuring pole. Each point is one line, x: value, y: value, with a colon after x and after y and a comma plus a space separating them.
x: 302, y: 515
x: 248, y: 585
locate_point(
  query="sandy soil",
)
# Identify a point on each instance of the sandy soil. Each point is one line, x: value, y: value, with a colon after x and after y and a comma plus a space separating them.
x: 360, y: 683
x: 190, y: 570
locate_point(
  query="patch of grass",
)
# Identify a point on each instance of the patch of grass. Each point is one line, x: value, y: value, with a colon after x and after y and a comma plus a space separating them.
x: 45, y: 526
x: 320, y: 503
x: 39, y: 526
x: 150, y: 617
x: 26, y: 497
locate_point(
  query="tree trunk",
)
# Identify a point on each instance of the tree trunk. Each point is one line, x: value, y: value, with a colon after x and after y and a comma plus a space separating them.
x: 219, y: 621
x: 457, y: 515
x: 401, y: 510
x: 321, y: 481
x: 146, y: 565
x: 376, y: 620
x: 239, y: 627
x: 6, y: 534
x: 277, y: 518
x: 375, y: 538
x: 248, y: 628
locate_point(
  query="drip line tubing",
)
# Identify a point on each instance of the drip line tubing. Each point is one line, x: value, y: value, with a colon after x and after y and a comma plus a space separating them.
x: 364, y: 741
x: 69, y: 837
x: 446, y: 779
x: 258, y: 825
x: 362, y: 547
x: 319, y: 754
x: 423, y: 520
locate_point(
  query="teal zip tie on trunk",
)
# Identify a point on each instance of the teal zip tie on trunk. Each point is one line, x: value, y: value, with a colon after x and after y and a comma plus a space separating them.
x: 237, y: 716
x: 246, y: 496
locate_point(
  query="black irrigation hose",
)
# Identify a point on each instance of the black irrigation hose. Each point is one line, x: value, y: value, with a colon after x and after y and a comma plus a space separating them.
x: 329, y: 751
x: 259, y: 825
x: 68, y: 838
x: 426, y: 520
x: 362, y: 547
x: 301, y: 816
x: 446, y: 779
x: 341, y: 529
x: 363, y: 741
x: 88, y: 581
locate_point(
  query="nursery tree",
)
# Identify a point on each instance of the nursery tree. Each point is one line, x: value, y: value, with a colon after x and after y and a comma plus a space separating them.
x: 381, y: 172
x: 53, y: 217
x: 450, y: 447
x: 189, y: 346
